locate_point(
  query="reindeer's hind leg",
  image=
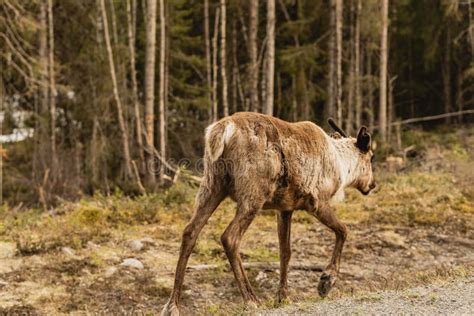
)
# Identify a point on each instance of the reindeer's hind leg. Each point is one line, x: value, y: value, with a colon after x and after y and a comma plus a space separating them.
x: 231, y: 241
x: 207, y: 201
x: 284, y: 237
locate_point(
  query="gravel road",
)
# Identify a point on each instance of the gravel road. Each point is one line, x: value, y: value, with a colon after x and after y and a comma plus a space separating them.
x: 453, y: 298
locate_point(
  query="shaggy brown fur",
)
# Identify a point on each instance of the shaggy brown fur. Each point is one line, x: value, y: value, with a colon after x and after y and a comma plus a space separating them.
x: 262, y: 162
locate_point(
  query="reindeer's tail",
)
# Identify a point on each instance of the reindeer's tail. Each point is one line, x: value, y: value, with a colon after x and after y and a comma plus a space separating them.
x: 217, y: 136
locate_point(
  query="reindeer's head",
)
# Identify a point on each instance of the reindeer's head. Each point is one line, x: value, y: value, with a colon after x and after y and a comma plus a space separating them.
x: 363, y: 178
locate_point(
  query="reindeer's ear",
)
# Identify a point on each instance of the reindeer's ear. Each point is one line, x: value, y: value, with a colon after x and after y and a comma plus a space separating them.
x: 363, y: 139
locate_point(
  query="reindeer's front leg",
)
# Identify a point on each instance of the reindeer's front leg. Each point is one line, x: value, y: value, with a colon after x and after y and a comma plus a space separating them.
x: 325, y: 215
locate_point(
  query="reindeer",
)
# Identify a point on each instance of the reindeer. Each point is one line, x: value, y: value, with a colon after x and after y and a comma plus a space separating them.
x: 262, y: 162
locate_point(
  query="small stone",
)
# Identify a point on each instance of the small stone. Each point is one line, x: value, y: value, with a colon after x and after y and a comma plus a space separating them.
x: 110, y: 271
x: 261, y: 276
x: 68, y: 251
x: 132, y: 262
x: 135, y: 245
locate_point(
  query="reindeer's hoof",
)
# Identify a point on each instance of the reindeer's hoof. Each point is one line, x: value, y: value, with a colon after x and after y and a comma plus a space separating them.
x: 326, y: 282
x: 170, y: 309
x: 282, y: 296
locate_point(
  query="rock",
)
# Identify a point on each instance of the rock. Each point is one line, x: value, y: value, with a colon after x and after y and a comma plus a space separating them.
x: 110, y: 271
x: 261, y: 276
x: 68, y: 251
x: 132, y: 262
x: 7, y: 249
x: 392, y: 239
x: 135, y: 245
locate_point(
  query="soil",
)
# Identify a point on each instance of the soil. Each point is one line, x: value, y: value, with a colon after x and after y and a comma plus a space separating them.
x: 92, y: 279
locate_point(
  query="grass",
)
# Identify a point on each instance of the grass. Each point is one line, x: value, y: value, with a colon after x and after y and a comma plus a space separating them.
x: 414, y: 198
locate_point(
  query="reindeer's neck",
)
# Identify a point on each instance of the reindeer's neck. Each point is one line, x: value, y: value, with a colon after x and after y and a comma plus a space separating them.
x: 346, y: 161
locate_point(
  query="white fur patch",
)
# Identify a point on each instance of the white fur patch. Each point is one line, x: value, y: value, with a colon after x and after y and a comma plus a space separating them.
x: 338, y: 197
x: 228, y: 132
x: 208, y: 130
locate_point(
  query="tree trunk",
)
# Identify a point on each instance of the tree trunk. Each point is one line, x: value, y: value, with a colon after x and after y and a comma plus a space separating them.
x: 52, y: 88
x: 162, y: 87
x: 370, y: 90
x: 357, y: 59
x: 459, y: 91
x: 225, y: 103
x: 391, y: 108
x: 279, y: 95
x: 235, y: 66
x: 253, y: 53
x: 43, y: 53
x: 208, y: 56
x: 471, y: 28
x: 338, y: 65
x: 215, y: 114
x: 350, y: 80
x: 446, y: 73
x: 114, y: 24
x: 133, y: 75
x: 270, y: 56
x: 150, y: 85
x: 331, y: 104
x: 118, y: 103
x: 383, y: 73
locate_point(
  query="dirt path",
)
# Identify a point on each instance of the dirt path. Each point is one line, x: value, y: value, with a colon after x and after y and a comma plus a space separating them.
x: 453, y: 298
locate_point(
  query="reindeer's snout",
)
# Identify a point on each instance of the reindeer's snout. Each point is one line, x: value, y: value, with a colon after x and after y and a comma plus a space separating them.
x: 372, y: 185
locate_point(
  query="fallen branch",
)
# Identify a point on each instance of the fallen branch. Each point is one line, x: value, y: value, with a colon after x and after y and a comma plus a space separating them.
x: 429, y: 118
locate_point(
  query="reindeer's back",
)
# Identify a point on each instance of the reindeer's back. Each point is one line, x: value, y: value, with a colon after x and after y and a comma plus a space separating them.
x: 270, y: 150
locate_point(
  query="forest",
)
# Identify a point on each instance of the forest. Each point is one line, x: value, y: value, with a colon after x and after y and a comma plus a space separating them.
x: 119, y: 87
x: 104, y: 104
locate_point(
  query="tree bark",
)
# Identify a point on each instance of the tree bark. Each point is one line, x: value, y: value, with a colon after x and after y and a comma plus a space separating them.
x: 225, y: 101
x: 150, y: 85
x: 331, y: 104
x: 208, y: 56
x: 114, y: 24
x: 338, y: 65
x: 235, y: 66
x: 357, y: 59
x: 471, y: 28
x: 118, y: 103
x: 383, y: 73
x: 253, y: 53
x: 270, y: 56
x: 370, y: 90
x: 133, y: 75
x: 350, y: 80
x: 162, y: 119
x: 52, y: 87
x: 215, y: 114
x: 43, y: 52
